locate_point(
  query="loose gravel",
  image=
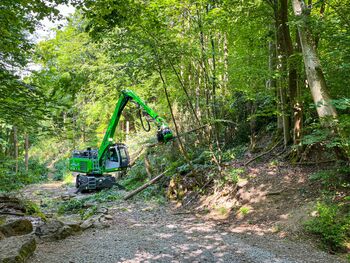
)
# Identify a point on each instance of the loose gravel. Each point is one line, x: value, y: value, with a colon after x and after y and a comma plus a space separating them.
x: 157, y: 234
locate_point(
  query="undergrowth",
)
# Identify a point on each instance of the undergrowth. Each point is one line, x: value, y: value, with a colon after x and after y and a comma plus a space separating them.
x: 10, y: 180
x: 87, y: 206
x: 331, y: 222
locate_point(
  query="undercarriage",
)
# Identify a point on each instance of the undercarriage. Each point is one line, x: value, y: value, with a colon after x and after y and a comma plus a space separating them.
x: 94, y: 182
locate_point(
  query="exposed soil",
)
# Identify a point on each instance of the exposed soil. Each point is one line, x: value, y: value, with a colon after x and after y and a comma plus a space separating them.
x: 270, y: 198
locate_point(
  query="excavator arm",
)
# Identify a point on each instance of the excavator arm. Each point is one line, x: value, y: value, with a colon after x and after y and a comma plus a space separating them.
x: 164, y: 134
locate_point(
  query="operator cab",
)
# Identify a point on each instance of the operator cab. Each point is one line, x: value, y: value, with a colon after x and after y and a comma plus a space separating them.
x: 117, y: 157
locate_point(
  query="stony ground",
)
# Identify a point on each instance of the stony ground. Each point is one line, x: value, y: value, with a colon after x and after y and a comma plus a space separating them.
x: 142, y: 232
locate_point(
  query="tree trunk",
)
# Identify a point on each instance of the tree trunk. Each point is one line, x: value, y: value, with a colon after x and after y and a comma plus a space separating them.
x: 298, y: 106
x: 143, y: 187
x: 292, y: 71
x: 15, y: 147
x: 148, y: 165
x: 26, y: 153
x: 271, y: 84
x: 284, y: 49
x: 182, y: 148
x: 225, y: 78
x: 314, y: 73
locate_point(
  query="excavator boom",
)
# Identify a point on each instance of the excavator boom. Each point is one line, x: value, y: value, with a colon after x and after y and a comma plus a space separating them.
x: 125, y: 97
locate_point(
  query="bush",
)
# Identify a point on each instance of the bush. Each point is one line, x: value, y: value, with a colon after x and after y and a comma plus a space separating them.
x: 331, y: 225
x: 61, y: 169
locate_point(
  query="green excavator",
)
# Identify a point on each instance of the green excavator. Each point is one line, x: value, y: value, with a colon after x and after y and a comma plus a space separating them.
x: 93, y: 165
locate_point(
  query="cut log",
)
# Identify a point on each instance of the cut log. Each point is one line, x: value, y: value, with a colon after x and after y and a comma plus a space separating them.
x: 143, y: 187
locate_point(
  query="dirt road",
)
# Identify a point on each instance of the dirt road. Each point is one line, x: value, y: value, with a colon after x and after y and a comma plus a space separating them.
x: 153, y: 233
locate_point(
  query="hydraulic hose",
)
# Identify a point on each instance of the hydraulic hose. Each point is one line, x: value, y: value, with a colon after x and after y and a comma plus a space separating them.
x: 143, y: 126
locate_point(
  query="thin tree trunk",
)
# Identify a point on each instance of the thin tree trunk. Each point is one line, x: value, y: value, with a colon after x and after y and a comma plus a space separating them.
x: 282, y: 66
x: 148, y: 165
x: 226, y: 76
x: 314, y: 73
x: 272, y: 60
x: 189, y: 100
x: 214, y: 102
x: 292, y: 68
x: 141, y: 188
x: 182, y: 148
x: 26, y: 151
x: 15, y: 147
x: 298, y: 108
x: 204, y: 64
x: 322, y: 10
x: 285, y: 117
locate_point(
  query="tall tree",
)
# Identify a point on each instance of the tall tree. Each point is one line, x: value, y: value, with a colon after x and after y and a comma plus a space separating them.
x: 313, y: 69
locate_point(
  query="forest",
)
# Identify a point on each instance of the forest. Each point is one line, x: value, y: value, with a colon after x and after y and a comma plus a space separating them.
x: 256, y: 93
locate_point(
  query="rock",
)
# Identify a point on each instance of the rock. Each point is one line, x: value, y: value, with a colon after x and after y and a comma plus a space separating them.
x: 89, y: 204
x: 64, y: 232
x: 56, y: 230
x: 242, y: 183
x: 86, y: 224
x: 96, y: 221
x: 108, y: 217
x: 65, y: 197
x: 75, y: 226
x: 89, y: 222
x: 17, y: 248
x: 73, y: 219
x: 102, y: 210
x: 17, y: 228
x: 48, y: 228
x: 101, y: 224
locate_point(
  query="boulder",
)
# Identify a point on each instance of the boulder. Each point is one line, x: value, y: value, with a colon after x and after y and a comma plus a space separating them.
x: 72, y: 221
x: 17, y: 228
x: 102, y: 210
x: 88, y: 222
x: 96, y: 221
x: 56, y: 230
x: 17, y: 248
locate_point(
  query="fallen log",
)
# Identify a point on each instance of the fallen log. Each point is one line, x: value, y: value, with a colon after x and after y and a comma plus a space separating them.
x: 143, y: 187
x: 262, y: 154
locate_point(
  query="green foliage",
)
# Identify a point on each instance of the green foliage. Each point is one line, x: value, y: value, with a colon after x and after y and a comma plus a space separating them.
x: 61, y: 169
x: 234, y: 153
x: 327, y: 178
x: 332, y: 222
x: 137, y: 176
x: 332, y: 179
x: 331, y: 225
x: 9, y: 180
x: 80, y: 205
x: 234, y: 173
x: 231, y: 176
x: 244, y: 210
x: 21, y: 104
x: 33, y: 209
x: 71, y: 206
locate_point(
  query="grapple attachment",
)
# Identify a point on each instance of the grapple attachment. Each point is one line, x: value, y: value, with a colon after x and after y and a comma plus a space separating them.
x: 164, y: 134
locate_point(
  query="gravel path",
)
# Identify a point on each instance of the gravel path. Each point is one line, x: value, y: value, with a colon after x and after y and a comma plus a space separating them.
x: 156, y: 234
